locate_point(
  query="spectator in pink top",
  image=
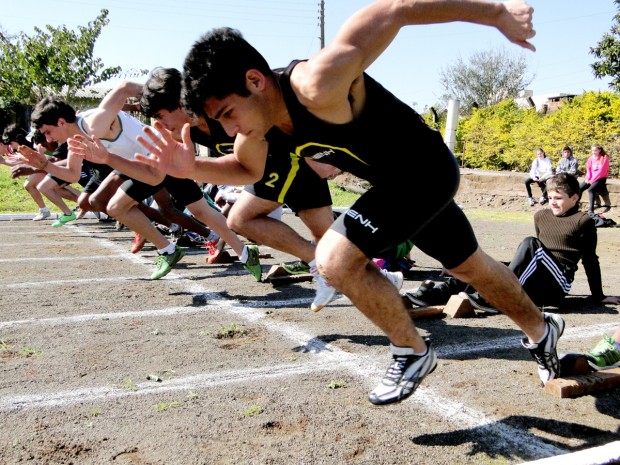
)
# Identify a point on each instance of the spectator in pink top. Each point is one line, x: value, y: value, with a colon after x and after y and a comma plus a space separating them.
x: 597, y: 169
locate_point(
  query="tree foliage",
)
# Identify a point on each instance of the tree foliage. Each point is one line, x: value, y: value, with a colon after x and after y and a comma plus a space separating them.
x: 608, y: 53
x: 488, y: 77
x: 51, y: 61
x: 504, y: 136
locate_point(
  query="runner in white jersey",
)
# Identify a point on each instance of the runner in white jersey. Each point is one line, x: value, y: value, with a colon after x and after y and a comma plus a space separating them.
x: 58, y: 121
x: 117, y: 131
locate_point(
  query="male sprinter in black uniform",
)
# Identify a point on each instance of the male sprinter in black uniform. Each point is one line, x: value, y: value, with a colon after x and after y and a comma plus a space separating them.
x: 287, y: 179
x: 336, y: 113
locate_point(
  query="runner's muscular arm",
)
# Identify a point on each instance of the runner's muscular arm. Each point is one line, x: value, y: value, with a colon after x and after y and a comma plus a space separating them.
x: 69, y: 171
x: 245, y: 166
x: 98, y: 122
x: 327, y: 76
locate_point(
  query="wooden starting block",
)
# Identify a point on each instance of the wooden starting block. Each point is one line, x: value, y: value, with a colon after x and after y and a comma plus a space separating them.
x: 278, y: 276
x: 422, y: 312
x: 457, y: 307
x: 579, y: 379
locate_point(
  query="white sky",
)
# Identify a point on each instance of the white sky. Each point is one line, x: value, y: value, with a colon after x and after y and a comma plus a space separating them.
x: 150, y: 33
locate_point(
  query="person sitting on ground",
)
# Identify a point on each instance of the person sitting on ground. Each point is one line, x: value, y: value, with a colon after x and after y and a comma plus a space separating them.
x: 597, y: 169
x: 568, y: 163
x: 606, y: 353
x: 541, y: 170
x: 545, y: 264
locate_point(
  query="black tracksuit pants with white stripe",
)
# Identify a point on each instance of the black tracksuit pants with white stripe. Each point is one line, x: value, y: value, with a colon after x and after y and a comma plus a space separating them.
x: 540, y: 274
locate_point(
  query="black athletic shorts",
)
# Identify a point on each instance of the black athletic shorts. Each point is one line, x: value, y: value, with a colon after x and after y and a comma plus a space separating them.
x: 412, y: 206
x: 184, y: 191
x: 100, y: 172
x: 290, y: 180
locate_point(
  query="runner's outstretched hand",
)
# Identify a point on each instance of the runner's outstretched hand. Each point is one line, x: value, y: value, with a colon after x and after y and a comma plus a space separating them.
x: 29, y: 156
x: 166, y: 154
x: 90, y: 149
x: 516, y: 23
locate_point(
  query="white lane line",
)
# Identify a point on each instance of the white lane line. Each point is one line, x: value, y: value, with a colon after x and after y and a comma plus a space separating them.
x: 201, y: 381
x: 359, y: 365
x: 60, y: 259
x: 40, y: 244
x: 71, y: 320
x: 510, y: 342
x: 64, y: 282
x: 505, y: 437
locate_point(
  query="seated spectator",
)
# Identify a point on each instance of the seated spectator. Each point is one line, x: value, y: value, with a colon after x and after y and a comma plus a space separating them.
x: 568, y: 163
x: 541, y: 170
x: 606, y: 354
x: 545, y: 264
x: 597, y: 169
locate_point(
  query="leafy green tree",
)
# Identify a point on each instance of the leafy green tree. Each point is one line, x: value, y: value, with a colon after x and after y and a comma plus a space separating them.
x: 608, y: 53
x: 488, y: 77
x: 53, y: 60
x: 486, y: 135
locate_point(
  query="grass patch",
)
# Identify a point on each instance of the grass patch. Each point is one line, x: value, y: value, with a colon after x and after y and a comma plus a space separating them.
x: 340, y: 196
x: 337, y: 384
x: 501, y: 216
x: 129, y: 385
x: 228, y: 332
x: 29, y: 352
x: 252, y: 411
x: 15, y: 199
x: 163, y: 406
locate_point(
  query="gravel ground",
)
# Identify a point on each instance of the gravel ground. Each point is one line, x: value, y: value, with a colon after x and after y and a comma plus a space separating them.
x: 100, y: 365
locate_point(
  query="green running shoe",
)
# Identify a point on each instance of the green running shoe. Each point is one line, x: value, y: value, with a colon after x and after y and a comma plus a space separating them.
x: 298, y: 267
x: 253, y: 263
x: 64, y: 219
x: 604, y: 355
x: 165, y: 263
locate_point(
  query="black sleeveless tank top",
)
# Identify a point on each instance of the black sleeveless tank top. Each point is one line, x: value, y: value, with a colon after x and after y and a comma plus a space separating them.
x: 386, y: 135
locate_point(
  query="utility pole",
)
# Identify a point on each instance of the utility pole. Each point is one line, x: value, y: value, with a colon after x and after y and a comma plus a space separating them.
x: 322, y: 22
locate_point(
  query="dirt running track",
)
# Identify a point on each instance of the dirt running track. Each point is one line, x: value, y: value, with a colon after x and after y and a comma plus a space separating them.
x: 99, y: 365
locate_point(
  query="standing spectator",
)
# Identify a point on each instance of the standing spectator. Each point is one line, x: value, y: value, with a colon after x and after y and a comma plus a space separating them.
x: 597, y: 169
x: 541, y: 170
x: 568, y: 163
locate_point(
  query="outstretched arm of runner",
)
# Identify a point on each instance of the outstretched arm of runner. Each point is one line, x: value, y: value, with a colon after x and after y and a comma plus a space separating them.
x: 365, y: 35
x: 178, y: 159
x: 70, y: 172
x: 98, y: 122
x: 29, y: 156
x: 92, y: 149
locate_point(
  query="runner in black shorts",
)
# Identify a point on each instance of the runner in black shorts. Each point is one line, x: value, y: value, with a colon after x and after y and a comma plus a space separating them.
x: 335, y: 113
x: 287, y: 179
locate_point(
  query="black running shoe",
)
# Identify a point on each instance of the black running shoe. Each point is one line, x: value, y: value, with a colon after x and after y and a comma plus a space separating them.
x: 478, y: 302
x: 404, y: 375
x: 545, y: 352
x: 421, y: 296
